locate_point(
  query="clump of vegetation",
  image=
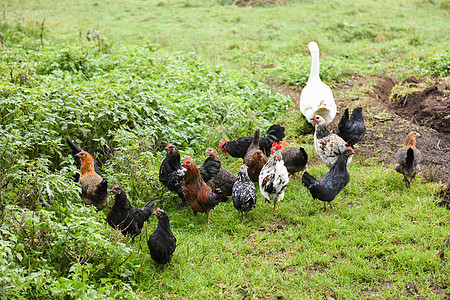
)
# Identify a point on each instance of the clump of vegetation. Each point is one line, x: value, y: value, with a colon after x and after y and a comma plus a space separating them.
x: 61, y: 257
x: 437, y: 64
x: 400, y: 91
x: 73, y: 90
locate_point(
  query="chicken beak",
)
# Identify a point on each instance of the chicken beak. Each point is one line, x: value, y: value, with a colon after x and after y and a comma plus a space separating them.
x: 418, y: 134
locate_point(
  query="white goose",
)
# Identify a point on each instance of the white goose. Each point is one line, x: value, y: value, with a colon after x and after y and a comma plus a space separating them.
x: 316, y: 97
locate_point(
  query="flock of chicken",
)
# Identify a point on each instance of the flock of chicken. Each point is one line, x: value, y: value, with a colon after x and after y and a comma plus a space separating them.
x: 267, y: 161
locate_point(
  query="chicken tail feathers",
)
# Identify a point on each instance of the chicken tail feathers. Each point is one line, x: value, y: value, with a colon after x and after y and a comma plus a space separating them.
x: 357, y: 114
x: 308, y: 180
x: 219, y: 196
x: 343, y: 121
x: 74, y: 146
x: 346, y: 114
x: 304, y: 154
x: 255, y: 140
x: 276, y: 132
x: 148, y: 208
x: 409, y: 157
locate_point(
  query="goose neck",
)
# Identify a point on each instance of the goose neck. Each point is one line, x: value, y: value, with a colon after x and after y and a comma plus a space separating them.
x: 314, y: 74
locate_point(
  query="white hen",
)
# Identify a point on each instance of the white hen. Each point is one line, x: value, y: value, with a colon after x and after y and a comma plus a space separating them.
x: 274, y: 177
x: 316, y: 97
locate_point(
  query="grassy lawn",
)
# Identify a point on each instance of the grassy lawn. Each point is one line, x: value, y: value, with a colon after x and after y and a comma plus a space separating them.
x: 382, y: 240
x: 387, y: 34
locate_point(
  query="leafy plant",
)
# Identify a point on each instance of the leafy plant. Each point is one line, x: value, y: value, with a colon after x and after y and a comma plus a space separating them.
x: 437, y: 64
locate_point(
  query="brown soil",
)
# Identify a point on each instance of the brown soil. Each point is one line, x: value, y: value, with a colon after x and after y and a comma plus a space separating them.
x: 388, y: 124
x: 428, y: 107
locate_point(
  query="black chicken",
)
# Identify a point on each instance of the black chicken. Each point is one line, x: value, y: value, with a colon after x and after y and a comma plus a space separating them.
x: 125, y: 217
x: 295, y: 159
x: 352, y: 129
x: 244, y: 192
x: 211, y: 166
x: 171, y: 172
x: 77, y: 149
x: 162, y: 242
x: 238, y: 147
x: 327, y: 187
x: 224, y: 179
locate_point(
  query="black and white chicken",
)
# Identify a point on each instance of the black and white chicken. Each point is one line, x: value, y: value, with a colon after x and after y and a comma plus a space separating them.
x: 274, y: 177
x: 171, y: 172
x: 244, y: 192
x: 328, y: 145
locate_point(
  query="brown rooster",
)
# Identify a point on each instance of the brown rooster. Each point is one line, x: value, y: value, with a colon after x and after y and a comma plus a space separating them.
x: 94, y: 189
x: 200, y: 196
x: 254, y: 158
x: 408, y: 158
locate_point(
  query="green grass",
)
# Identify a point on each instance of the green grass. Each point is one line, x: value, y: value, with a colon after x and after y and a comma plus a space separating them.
x: 138, y: 92
x: 367, y: 36
x: 377, y: 234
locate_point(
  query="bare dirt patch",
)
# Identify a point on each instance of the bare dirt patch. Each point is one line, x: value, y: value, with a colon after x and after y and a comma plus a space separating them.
x: 428, y: 107
x: 423, y: 111
x: 388, y: 124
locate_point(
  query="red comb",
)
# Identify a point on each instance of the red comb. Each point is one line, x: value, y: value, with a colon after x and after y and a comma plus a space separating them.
x: 275, y: 145
x: 115, y: 186
x: 187, y: 159
x: 222, y: 143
